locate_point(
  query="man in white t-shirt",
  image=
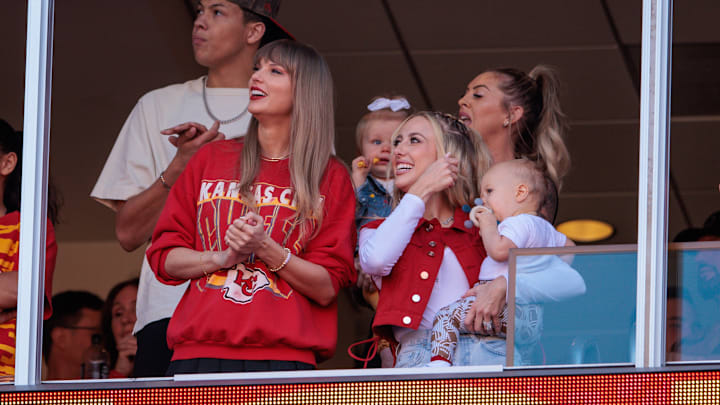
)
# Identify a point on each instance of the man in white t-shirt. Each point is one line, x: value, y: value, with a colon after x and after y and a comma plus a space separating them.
x: 145, y: 162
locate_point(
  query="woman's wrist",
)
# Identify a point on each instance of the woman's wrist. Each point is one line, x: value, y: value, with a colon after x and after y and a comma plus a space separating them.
x: 123, y: 367
x: 422, y: 193
x: 272, y: 253
x: 502, y: 287
x: 120, y: 372
x: 214, y: 261
x: 412, y: 203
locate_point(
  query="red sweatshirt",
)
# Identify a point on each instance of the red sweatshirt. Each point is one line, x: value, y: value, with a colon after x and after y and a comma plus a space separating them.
x: 252, y: 314
x: 9, y: 242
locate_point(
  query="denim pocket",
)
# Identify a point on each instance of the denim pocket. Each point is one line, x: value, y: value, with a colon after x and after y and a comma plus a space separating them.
x: 474, y: 350
x: 495, y: 347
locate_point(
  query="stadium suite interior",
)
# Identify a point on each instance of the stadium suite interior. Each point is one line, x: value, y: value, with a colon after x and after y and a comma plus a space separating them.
x: 107, y: 54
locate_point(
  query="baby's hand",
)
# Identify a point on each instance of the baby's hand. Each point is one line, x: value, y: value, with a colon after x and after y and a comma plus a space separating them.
x: 476, y: 212
x: 360, y: 170
x: 483, y: 217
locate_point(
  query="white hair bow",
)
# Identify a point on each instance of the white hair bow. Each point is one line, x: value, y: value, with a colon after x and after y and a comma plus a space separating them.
x: 395, y: 104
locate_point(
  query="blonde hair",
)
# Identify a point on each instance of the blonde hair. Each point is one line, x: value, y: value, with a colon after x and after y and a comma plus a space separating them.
x: 539, y: 134
x: 461, y: 142
x: 381, y: 114
x: 312, y: 129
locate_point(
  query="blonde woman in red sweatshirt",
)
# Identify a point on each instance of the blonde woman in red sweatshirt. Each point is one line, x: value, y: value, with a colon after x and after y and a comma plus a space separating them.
x: 264, y: 228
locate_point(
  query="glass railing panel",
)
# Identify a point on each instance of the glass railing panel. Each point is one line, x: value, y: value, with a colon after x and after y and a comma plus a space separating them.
x: 693, y: 305
x: 574, y: 309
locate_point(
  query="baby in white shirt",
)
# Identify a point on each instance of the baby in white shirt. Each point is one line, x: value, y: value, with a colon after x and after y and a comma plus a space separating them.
x: 513, y: 193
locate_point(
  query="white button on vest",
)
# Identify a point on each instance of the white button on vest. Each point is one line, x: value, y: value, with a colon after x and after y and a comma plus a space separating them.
x: 424, y: 275
x: 407, y: 320
x: 416, y: 298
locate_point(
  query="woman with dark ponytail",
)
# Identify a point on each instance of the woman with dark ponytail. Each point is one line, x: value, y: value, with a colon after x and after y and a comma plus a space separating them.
x: 10, y: 176
x: 518, y: 115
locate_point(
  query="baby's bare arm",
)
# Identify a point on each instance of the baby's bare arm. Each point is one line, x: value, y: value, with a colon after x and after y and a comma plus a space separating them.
x: 497, y: 246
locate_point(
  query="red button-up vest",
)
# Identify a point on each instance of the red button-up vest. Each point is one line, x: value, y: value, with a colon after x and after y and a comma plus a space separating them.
x: 406, y: 290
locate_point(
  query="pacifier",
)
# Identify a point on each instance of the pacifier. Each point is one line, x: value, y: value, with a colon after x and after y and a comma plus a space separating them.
x: 473, y: 212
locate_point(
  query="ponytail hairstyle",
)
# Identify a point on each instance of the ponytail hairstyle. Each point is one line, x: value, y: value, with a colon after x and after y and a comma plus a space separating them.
x: 549, y: 206
x: 538, y: 134
x: 312, y: 130
x: 11, y: 142
x: 461, y: 142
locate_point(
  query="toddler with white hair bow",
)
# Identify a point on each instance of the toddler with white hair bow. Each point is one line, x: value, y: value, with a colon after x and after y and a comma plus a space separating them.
x: 371, y: 171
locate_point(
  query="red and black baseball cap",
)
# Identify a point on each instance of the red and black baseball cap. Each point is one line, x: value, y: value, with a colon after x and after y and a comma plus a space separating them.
x: 267, y: 10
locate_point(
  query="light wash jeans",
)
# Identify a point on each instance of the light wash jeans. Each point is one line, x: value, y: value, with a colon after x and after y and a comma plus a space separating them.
x: 472, y: 350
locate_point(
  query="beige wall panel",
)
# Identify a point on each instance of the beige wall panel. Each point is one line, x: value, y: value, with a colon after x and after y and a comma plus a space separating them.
x: 94, y: 266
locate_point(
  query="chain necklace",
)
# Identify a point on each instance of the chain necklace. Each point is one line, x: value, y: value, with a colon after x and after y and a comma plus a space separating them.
x: 207, y: 107
x: 269, y: 159
x: 447, y: 221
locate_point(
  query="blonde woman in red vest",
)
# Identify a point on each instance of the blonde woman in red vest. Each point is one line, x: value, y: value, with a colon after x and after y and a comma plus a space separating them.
x: 423, y: 257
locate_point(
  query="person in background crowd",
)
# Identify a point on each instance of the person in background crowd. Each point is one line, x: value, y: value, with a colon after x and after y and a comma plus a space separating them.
x: 682, y: 327
x: 518, y: 115
x: 266, y: 274
x: 10, y: 180
x: 711, y: 228
x: 143, y: 165
x: 688, y: 336
x: 67, y: 333
x: 118, y: 319
x: 689, y: 235
x: 708, y: 266
x: 708, y: 283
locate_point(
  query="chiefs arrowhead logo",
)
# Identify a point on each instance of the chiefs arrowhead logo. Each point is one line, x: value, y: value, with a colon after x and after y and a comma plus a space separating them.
x: 240, y: 284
